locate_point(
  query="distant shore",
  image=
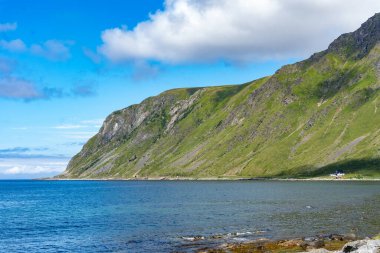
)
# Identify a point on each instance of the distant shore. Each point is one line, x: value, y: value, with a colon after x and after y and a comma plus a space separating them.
x: 211, y: 179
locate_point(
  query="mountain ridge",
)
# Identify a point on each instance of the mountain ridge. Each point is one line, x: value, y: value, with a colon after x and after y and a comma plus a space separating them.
x: 308, y: 119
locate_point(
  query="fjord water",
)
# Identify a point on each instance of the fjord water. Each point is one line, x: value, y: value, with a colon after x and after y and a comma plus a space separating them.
x: 158, y: 216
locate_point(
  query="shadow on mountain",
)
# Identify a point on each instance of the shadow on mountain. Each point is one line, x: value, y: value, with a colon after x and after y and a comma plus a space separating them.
x: 363, y: 167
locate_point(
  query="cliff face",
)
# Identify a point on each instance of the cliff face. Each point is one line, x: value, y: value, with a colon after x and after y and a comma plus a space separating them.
x: 307, y: 119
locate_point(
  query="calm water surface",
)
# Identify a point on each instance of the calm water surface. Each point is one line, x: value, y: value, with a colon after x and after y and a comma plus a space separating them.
x: 99, y: 216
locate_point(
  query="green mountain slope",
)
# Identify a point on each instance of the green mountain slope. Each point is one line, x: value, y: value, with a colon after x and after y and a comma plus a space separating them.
x: 308, y: 119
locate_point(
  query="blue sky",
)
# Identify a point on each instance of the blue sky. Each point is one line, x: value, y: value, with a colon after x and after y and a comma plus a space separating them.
x: 66, y: 65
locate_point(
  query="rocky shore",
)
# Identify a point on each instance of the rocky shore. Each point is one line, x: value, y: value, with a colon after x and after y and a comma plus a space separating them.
x: 332, y: 243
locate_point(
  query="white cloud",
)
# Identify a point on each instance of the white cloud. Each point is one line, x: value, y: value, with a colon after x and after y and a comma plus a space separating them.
x: 32, y: 167
x: 13, y: 87
x: 16, y: 45
x: 31, y: 170
x: 239, y: 30
x: 5, y: 27
x: 18, y: 88
x: 52, y: 49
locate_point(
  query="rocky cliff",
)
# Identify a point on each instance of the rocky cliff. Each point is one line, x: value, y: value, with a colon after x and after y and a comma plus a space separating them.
x: 308, y: 119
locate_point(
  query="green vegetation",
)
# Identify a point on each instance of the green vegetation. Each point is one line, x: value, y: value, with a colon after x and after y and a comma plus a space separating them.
x: 307, y: 120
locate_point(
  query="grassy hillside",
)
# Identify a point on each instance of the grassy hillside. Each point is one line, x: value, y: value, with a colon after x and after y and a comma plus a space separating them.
x: 308, y: 119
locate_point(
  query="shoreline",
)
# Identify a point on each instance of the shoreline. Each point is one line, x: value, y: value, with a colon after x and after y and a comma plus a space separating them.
x: 331, y: 243
x: 215, y: 179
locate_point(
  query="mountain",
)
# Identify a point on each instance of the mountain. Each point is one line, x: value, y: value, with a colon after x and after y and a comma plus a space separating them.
x: 308, y: 119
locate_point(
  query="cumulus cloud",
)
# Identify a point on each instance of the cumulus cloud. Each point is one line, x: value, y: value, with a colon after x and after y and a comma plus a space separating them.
x: 28, y: 170
x: 52, y: 49
x: 25, y: 162
x: 5, y: 27
x: 12, y: 87
x: 16, y: 45
x: 18, y: 88
x: 32, y: 167
x: 54, y: 168
x: 239, y: 30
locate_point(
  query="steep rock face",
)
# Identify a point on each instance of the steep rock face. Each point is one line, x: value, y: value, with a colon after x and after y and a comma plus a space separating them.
x: 309, y: 118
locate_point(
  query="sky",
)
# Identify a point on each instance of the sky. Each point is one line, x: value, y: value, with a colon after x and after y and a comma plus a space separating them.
x: 66, y: 64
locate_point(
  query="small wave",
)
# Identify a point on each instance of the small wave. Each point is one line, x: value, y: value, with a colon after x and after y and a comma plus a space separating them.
x: 193, y: 238
x: 234, y: 236
x: 240, y: 239
x: 261, y: 232
x: 244, y: 233
x: 257, y: 232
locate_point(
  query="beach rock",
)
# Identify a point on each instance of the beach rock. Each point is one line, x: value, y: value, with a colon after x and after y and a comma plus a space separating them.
x: 336, y: 237
x: 216, y: 236
x: 290, y: 243
x: 308, y: 245
x: 319, y: 251
x: 363, y: 246
x: 312, y: 245
x: 310, y: 239
x: 349, y: 237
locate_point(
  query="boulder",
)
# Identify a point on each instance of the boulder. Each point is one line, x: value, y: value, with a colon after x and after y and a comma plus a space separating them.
x: 349, y: 237
x: 319, y: 251
x: 362, y: 246
x: 308, y: 245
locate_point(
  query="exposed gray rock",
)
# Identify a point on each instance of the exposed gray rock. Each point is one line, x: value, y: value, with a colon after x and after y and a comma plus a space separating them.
x: 362, y: 246
x: 319, y: 251
x: 362, y: 40
x: 349, y: 237
x: 312, y: 244
x: 178, y: 111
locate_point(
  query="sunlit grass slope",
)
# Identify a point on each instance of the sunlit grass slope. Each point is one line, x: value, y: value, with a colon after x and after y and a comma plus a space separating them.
x: 308, y: 119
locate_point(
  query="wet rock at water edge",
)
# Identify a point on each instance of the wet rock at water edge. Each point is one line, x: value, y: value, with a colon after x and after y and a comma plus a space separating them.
x: 349, y: 237
x: 193, y: 238
x: 317, y: 244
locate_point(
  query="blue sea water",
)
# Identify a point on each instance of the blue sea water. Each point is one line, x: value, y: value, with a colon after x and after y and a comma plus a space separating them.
x: 163, y: 216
